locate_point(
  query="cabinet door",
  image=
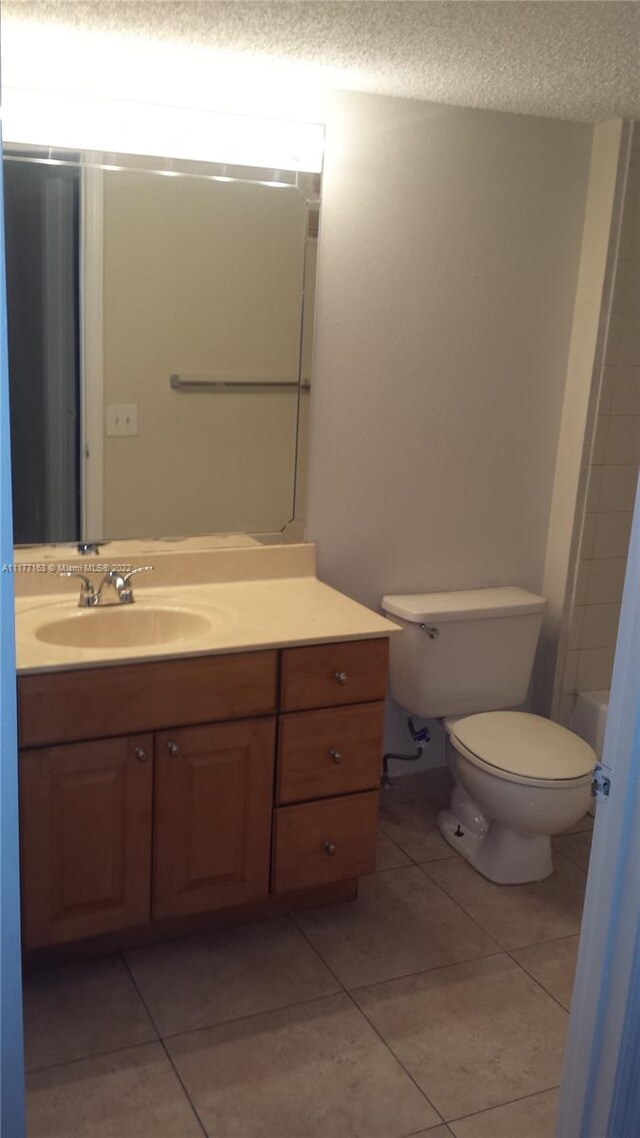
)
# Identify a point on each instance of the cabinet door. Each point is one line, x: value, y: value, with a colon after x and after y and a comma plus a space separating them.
x: 214, y: 793
x: 85, y: 821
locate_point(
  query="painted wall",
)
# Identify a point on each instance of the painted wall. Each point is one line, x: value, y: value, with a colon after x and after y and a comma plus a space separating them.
x: 219, y: 295
x: 449, y: 250
x: 584, y: 379
x: 613, y: 461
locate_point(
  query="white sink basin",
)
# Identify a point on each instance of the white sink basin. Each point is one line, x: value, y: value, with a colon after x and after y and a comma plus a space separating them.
x: 124, y: 626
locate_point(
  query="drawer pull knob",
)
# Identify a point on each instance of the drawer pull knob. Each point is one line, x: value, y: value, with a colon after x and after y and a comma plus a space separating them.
x: 336, y: 755
x: 173, y: 749
x: 329, y: 848
x: 340, y: 677
x: 140, y: 754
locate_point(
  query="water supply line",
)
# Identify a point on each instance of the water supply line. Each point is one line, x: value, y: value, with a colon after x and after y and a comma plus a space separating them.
x: 421, y: 736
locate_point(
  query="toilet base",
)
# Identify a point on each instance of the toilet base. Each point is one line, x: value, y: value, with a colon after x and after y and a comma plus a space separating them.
x: 497, y: 852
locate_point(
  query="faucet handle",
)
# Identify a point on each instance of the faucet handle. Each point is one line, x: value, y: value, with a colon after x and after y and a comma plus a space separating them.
x: 88, y: 596
x: 126, y: 577
x: 126, y: 592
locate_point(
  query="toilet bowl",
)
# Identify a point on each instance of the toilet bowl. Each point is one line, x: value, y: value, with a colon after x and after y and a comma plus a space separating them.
x: 463, y: 658
x: 519, y: 779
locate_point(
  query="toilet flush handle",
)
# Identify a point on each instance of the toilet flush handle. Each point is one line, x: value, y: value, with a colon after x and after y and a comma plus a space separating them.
x: 431, y: 631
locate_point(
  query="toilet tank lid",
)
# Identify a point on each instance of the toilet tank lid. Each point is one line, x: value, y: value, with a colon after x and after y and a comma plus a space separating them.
x: 478, y: 604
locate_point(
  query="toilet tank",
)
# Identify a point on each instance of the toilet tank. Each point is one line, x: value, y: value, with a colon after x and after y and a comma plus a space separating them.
x: 463, y: 652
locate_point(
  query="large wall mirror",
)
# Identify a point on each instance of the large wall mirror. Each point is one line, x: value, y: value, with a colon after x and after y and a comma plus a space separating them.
x: 160, y: 329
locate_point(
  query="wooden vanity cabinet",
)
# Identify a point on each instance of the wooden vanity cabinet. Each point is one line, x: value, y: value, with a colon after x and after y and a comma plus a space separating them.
x: 152, y: 792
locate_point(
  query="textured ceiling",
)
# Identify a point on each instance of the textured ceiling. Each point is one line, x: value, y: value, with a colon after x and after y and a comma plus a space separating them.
x: 576, y: 60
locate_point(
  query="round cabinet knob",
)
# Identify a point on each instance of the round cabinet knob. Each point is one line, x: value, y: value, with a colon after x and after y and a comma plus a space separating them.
x: 336, y: 756
x: 140, y: 754
x: 340, y: 677
x: 173, y: 749
x: 329, y: 848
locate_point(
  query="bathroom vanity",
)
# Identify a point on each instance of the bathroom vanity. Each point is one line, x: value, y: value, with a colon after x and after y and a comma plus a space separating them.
x: 235, y: 777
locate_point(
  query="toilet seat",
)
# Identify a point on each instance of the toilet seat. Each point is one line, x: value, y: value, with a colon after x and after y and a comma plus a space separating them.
x: 523, y: 748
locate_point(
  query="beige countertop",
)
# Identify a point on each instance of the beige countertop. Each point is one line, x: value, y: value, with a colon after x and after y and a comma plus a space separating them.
x: 238, y: 616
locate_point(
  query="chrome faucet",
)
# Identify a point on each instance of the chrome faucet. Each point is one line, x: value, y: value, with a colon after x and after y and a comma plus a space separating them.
x: 120, y: 584
x: 113, y: 581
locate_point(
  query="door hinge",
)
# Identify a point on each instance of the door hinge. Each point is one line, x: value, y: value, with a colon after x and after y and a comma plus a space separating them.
x: 601, y: 784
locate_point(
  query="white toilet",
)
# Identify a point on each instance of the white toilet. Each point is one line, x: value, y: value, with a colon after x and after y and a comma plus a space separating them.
x: 519, y: 778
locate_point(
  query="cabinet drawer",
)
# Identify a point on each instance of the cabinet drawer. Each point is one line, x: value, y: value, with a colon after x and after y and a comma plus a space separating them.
x: 320, y: 842
x: 351, y: 672
x: 333, y: 751
x: 88, y: 703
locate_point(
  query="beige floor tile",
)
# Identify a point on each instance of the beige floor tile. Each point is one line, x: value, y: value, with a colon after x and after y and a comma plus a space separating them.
x: 516, y: 915
x: 128, y: 1094
x: 435, y: 1132
x: 395, y: 927
x: 577, y: 847
x: 473, y: 1035
x: 390, y: 856
x: 220, y: 976
x: 413, y: 827
x: 553, y: 965
x: 530, y: 1118
x: 80, y: 1010
x: 317, y: 1070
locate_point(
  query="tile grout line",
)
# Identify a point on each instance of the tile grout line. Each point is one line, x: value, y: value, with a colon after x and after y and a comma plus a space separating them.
x: 541, y: 943
x: 146, y: 1007
x: 449, y: 853
x: 466, y: 912
x: 474, y: 920
x: 395, y: 869
x: 563, y: 857
x: 251, y: 1015
x: 436, y: 884
x: 535, y: 979
x: 504, y: 947
x: 499, y: 1105
x: 166, y: 1052
x: 386, y: 1046
x: 89, y: 1057
x: 398, y: 1061
x: 568, y: 857
x: 426, y: 971
x: 184, y: 1090
x: 158, y: 1038
x: 419, y: 1133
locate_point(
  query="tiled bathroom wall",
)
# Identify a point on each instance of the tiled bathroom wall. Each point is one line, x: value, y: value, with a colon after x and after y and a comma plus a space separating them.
x: 613, y: 473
